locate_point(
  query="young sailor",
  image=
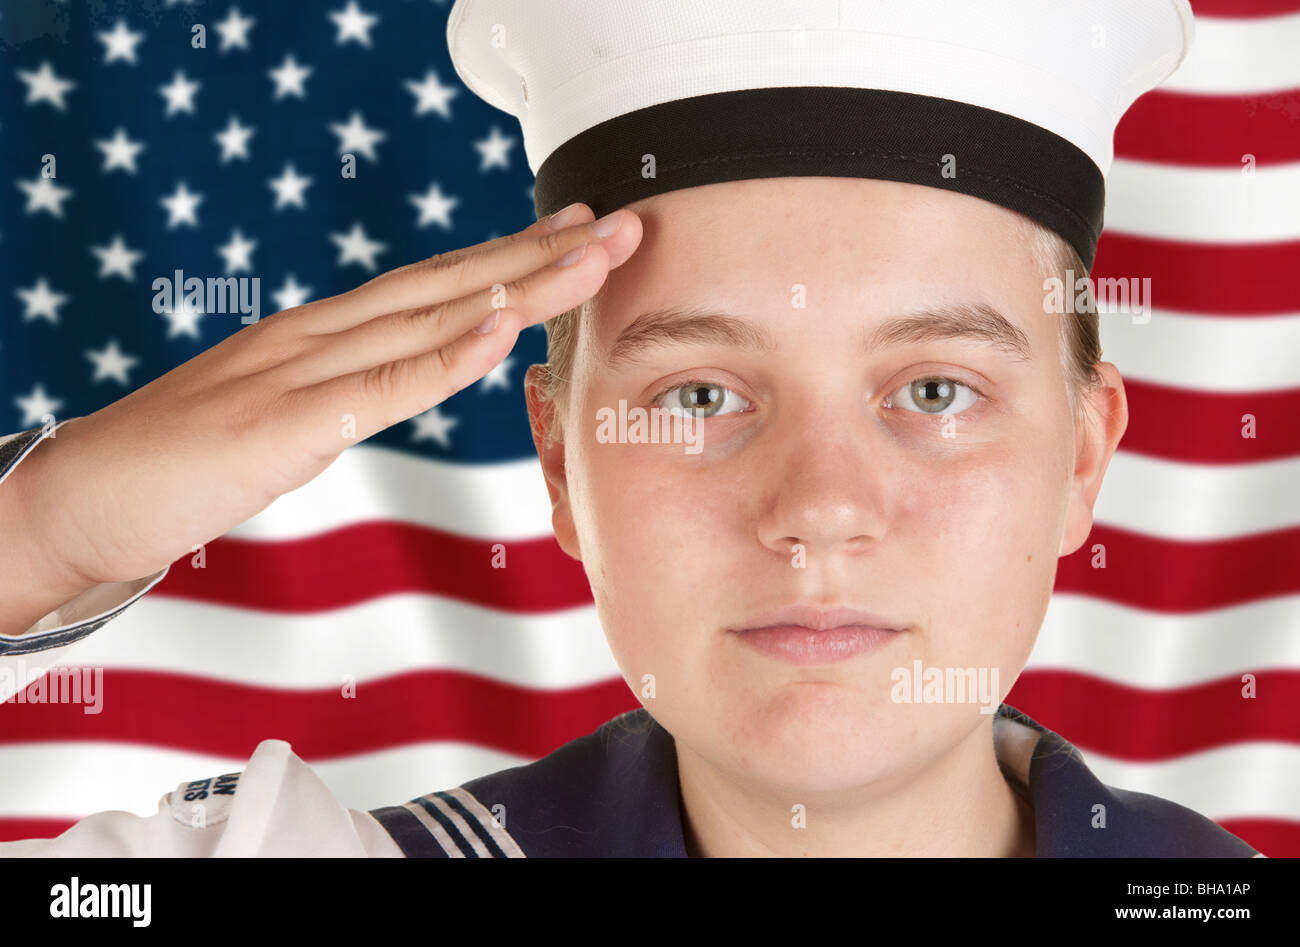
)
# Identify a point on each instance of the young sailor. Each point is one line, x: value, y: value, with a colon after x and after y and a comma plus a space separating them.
x: 838, y: 209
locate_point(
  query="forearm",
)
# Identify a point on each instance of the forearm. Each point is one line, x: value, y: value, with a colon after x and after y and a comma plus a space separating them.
x: 32, y: 583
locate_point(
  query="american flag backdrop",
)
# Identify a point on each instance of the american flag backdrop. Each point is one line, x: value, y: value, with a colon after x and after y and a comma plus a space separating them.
x: 225, y: 159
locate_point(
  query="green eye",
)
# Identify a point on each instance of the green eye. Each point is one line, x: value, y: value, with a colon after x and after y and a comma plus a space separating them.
x: 702, y: 399
x: 935, y: 395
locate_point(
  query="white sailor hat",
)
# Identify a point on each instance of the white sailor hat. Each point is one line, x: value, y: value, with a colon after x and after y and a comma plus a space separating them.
x: 1012, y: 101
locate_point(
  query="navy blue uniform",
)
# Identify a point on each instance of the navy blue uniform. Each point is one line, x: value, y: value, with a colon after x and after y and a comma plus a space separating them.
x: 614, y: 792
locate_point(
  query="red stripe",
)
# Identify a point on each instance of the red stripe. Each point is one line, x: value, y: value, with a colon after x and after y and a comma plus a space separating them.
x: 14, y: 829
x: 1250, y: 279
x: 371, y: 560
x: 1276, y: 838
x: 1146, y: 726
x: 1244, y: 8
x: 364, y: 561
x: 1166, y: 575
x: 1209, y: 425
x: 1211, y: 130
x: 203, y: 715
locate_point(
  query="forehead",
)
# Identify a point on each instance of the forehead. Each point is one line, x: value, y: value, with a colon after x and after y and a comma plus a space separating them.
x: 854, y: 248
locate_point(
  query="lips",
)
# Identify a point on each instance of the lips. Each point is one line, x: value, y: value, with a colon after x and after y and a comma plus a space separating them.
x: 808, y: 635
x: 819, y: 619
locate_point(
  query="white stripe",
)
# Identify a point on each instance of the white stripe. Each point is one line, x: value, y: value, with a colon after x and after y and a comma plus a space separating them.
x: 1178, y: 501
x: 1208, y: 353
x: 1118, y: 642
x: 390, y: 635
x: 74, y: 779
x: 1156, y: 651
x: 1248, y: 780
x: 1254, y: 54
x: 488, y: 821
x: 497, y: 501
x: 1205, y: 205
x: 385, y: 777
x: 445, y: 841
x: 466, y: 832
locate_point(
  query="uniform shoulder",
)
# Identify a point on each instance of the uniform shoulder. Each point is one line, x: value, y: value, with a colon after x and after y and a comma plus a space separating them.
x: 1076, y: 814
x: 1171, y: 830
x: 609, y: 792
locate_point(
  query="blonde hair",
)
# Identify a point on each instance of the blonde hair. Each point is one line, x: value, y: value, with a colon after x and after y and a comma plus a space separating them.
x: 1079, y: 332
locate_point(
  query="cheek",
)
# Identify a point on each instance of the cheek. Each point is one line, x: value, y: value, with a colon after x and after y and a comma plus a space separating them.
x: 985, y: 552
x: 657, y: 541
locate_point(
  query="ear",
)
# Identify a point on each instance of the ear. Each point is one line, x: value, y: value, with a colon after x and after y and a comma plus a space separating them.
x: 542, y: 418
x: 1101, y: 422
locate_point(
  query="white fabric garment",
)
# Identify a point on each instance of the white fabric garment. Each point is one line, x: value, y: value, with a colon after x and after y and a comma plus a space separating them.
x: 277, y: 806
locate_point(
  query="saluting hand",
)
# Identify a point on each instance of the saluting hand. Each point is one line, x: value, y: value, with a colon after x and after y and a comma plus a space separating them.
x: 122, y: 492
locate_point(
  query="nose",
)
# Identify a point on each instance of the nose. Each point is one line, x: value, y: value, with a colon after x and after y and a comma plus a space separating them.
x: 824, y: 485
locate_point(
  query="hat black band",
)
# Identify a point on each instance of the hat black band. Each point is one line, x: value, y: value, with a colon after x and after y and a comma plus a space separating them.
x: 831, y: 131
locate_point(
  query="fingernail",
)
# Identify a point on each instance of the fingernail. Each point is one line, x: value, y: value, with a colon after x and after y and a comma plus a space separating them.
x: 608, y: 224
x: 572, y: 257
x: 488, y: 324
x: 562, y: 218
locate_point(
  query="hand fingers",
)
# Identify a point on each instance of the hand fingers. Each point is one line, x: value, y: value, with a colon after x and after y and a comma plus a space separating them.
x: 539, y: 296
x: 322, y: 315
x: 388, y: 394
x: 465, y: 271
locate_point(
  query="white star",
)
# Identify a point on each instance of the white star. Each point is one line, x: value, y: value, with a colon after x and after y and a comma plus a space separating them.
x: 288, y: 188
x: 119, y: 152
x: 291, y: 294
x: 180, y: 94
x: 238, y: 252
x: 499, y: 377
x: 112, y: 363
x: 117, y: 258
x: 234, y: 30
x: 44, y: 194
x: 355, y: 136
x: 181, y: 206
x: 37, y: 407
x: 433, y: 425
x: 353, y: 23
x: 184, y: 322
x: 44, y: 86
x: 289, y: 77
x: 431, y: 95
x: 493, y: 149
x: 234, y: 140
x: 355, y: 247
x: 42, y: 301
x: 434, y: 206
x: 120, y: 43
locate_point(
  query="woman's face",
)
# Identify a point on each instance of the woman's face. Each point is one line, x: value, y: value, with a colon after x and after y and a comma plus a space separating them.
x: 947, y: 527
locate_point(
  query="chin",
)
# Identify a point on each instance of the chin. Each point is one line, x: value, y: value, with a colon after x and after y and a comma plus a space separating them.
x: 813, y: 736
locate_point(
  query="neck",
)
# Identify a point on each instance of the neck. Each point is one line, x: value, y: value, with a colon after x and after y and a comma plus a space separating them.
x: 960, y: 805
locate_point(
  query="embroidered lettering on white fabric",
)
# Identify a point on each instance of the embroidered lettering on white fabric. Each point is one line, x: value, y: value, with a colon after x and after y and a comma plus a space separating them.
x: 204, y: 802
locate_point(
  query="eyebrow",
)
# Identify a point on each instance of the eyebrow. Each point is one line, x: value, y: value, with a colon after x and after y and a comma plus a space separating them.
x: 978, y: 323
